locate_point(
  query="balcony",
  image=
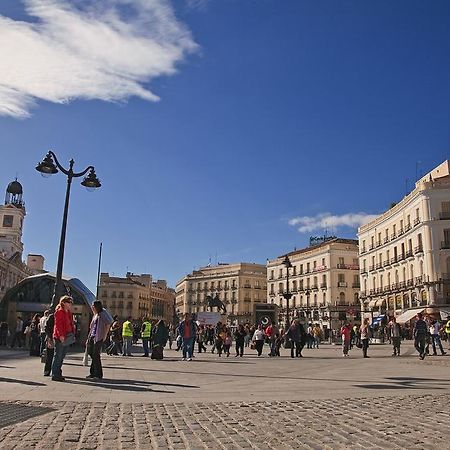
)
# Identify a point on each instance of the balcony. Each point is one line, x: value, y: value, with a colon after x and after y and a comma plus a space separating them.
x: 409, y: 254
x: 386, y: 263
x: 362, y: 251
x: 393, y: 236
x: 418, y: 249
x: 371, y: 268
x: 323, y: 285
x: 419, y: 281
x: 379, y: 243
x: 363, y: 271
x: 445, y: 245
x: 407, y: 227
x: 371, y: 247
x: 272, y: 293
x: 444, y: 215
x: 416, y: 221
x: 342, y: 284
x: 378, y: 266
x: 247, y: 286
x: 386, y: 240
x: 401, y: 231
x: 371, y: 291
x: 348, y: 266
x: 314, y: 287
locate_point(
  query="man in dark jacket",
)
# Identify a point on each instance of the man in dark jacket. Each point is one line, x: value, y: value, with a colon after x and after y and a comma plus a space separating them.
x: 49, y: 344
x: 296, y: 334
x: 420, y: 333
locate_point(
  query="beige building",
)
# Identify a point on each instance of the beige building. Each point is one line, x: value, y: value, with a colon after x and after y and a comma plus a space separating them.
x: 323, y: 281
x: 239, y: 286
x: 405, y: 252
x: 12, y: 215
x: 137, y: 296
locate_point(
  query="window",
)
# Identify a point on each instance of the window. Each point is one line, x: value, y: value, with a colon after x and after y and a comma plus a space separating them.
x: 341, y: 261
x: 307, y: 267
x: 272, y: 275
x: 294, y: 270
x: 355, y: 261
x: 8, y: 221
x: 301, y: 269
x: 323, y: 261
x: 314, y: 264
x: 341, y: 277
x: 280, y: 273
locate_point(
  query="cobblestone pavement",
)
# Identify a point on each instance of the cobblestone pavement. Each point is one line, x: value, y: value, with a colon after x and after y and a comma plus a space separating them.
x: 402, y: 422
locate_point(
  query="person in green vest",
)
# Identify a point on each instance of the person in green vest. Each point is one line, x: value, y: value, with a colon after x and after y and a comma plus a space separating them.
x: 127, y: 337
x: 146, y: 332
x: 447, y: 331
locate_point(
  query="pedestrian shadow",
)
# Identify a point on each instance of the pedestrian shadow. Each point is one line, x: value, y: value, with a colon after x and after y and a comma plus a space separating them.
x: 129, y: 385
x: 408, y: 383
x: 6, y: 367
x: 28, y: 383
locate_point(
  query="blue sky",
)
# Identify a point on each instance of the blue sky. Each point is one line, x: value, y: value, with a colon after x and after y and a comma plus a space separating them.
x: 268, y: 111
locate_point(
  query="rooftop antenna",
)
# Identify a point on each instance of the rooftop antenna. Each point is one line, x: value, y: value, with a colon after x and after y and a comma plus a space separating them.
x: 418, y: 163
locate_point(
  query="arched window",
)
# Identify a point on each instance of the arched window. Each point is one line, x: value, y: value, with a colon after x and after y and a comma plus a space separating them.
x: 342, y: 298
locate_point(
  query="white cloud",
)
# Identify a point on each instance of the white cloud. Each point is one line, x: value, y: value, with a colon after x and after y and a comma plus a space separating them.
x: 87, y: 49
x: 330, y: 222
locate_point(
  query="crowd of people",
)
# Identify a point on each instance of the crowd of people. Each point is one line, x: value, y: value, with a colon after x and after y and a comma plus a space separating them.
x: 51, y: 335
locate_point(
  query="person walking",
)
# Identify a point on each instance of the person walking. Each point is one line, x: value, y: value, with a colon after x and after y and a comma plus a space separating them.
x: 309, y: 336
x: 160, y: 336
x: 201, y: 336
x: 227, y: 343
x: 420, y: 332
x: 116, y: 338
x: 239, y: 338
x: 271, y: 332
x: 447, y: 331
x: 18, y: 333
x: 435, y: 338
x: 187, y: 330
x: 63, y: 335
x: 98, y: 331
x: 396, y: 336
x: 42, y: 335
x: 258, y: 339
x: 295, y: 334
x: 317, y: 335
x: 146, y: 333
x: 364, y: 332
x: 49, y: 344
x: 35, y: 342
x: 127, y: 337
x: 346, y: 330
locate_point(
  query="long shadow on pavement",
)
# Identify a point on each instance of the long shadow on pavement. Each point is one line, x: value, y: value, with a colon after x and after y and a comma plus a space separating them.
x: 407, y: 383
x: 13, y: 380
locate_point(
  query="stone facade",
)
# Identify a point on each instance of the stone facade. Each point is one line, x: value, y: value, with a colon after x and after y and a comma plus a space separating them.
x: 137, y: 296
x: 239, y: 286
x: 323, y: 281
x: 405, y: 252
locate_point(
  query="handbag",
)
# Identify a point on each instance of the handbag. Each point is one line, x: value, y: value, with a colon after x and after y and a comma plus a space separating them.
x: 44, y: 356
x: 86, y: 357
x: 69, y: 340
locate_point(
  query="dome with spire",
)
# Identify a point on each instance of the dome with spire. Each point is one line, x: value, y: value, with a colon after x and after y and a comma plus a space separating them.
x: 14, y: 193
x: 14, y: 188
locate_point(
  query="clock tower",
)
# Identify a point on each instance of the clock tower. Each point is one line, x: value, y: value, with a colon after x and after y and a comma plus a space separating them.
x: 12, y: 214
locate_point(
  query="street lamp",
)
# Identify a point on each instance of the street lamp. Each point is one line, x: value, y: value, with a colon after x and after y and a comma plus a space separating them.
x: 308, y: 311
x: 287, y: 295
x: 47, y: 167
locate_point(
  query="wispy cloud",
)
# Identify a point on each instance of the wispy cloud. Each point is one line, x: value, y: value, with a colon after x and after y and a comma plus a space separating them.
x: 330, y: 222
x: 197, y: 4
x: 87, y: 49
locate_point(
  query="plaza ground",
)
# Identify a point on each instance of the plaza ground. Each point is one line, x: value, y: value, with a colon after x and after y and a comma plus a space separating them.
x: 319, y: 401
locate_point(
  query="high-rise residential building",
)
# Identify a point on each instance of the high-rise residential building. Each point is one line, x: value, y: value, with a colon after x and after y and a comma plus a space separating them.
x: 137, y: 296
x: 239, y: 286
x: 323, y: 281
x: 405, y: 252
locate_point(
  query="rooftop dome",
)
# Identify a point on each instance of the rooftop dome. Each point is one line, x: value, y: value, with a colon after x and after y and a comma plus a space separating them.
x: 14, y: 188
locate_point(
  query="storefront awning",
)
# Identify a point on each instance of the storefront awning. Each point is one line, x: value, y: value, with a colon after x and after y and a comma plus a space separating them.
x: 376, y: 302
x: 445, y: 313
x: 408, y: 315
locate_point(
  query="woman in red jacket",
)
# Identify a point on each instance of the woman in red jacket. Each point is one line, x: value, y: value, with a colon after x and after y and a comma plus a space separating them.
x: 63, y: 335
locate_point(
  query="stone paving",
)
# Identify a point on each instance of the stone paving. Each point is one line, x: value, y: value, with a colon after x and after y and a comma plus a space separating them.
x: 321, y: 401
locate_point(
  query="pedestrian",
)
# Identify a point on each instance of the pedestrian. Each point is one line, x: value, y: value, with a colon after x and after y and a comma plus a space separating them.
x: 146, y: 333
x: 364, y: 332
x: 201, y: 335
x: 258, y: 339
x: 4, y: 333
x: 395, y: 332
x: 49, y: 344
x: 279, y: 342
x: 317, y: 335
x: 35, y: 342
x: 346, y: 338
x: 160, y: 336
x: 42, y: 335
x: 239, y: 338
x: 171, y: 336
x: 295, y: 334
x: 271, y: 332
x: 309, y: 336
x: 435, y: 339
x: 447, y: 331
x: 248, y: 337
x: 63, y: 335
x: 187, y: 330
x: 98, y: 331
x: 220, y: 339
x: 127, y: 337
x: 115, y: 331
x: 227, y: 343
x: 420, y: 332
x: 18, y: 333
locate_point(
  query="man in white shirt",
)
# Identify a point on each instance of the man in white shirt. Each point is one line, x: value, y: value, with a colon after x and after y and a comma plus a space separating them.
x: 435, y: 339
x: 42, y: 324
x: 18, y: 333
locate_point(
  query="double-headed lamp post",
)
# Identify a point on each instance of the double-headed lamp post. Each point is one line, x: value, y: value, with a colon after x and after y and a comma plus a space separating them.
x: 49, y: 166
x: 286, y: 294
